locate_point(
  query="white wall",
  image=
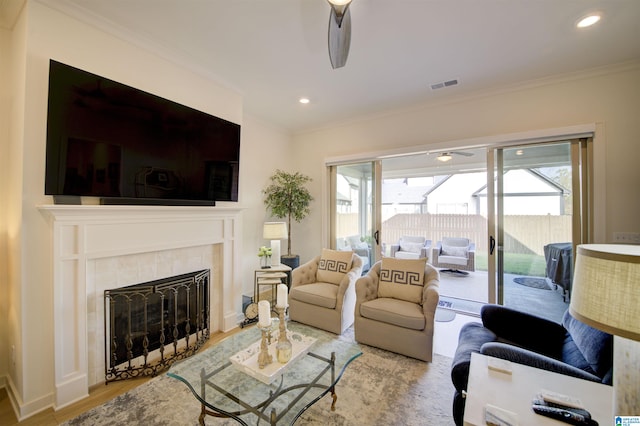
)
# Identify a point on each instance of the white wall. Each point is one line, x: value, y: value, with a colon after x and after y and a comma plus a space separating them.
x: 52, y: 35
x: 4, y: 166
x: 611, y: 100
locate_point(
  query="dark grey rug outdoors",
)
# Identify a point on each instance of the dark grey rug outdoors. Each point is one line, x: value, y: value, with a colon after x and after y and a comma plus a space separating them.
x: 378, y: 388
x: 539, y: 283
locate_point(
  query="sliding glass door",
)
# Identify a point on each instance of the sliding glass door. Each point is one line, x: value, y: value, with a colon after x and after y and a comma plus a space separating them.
x: 355, y: 221
x: 524, y: 208
x: 541, y: 214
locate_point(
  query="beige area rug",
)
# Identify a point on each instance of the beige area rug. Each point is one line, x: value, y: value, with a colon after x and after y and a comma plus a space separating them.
x: 377, y: 388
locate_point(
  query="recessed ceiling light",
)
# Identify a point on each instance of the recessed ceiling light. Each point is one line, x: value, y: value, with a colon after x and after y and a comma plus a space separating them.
x: 304, y: 100
x: 588, y: 20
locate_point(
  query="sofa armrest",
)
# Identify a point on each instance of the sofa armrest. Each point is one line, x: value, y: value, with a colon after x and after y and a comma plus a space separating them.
x: 471, y: 338
x: 533, y: 359
x: 525, y: 330
x: 394, y: 249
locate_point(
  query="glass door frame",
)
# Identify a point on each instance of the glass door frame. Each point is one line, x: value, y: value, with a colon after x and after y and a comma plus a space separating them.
x: 376, y: 191
x: 582, y: 217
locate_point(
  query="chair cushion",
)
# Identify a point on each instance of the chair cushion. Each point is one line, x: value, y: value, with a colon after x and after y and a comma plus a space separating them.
x: 393, y: 311
x: 406, y: 255
x: 412, y: 239
x: 319, y: 294
x: 402, y: 279
x: 453, y: 260
x: 333, y: 265
x: 411, y: 247
x: 455, y: 251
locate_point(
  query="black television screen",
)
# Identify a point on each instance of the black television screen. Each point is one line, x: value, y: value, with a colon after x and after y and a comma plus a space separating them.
x: 109, y: 140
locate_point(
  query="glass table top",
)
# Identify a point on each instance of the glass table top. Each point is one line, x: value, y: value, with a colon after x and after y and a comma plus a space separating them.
x: 225, y: 389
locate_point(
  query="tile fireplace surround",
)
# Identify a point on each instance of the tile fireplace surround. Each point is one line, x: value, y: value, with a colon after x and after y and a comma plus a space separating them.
x: 101, y: 247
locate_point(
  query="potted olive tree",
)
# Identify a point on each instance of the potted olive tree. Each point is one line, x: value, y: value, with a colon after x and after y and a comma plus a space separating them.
x: 286, y: 197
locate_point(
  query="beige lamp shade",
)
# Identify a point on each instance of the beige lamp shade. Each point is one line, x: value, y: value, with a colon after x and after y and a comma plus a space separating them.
x: 606, y: 288
x: 274, y: 231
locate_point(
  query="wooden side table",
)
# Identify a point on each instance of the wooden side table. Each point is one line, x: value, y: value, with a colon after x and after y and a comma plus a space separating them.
x: 515, y: 391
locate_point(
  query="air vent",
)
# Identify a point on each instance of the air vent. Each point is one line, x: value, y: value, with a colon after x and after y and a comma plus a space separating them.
x: 448, y: 83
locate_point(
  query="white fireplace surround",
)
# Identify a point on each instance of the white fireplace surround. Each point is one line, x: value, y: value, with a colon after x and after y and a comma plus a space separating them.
x: 141, y: 243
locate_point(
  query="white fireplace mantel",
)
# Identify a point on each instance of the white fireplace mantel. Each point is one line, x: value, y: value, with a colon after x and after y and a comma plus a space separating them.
x: 81, y: 234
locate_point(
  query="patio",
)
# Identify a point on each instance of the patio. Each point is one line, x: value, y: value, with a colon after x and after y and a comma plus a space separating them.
x: 468, y: 293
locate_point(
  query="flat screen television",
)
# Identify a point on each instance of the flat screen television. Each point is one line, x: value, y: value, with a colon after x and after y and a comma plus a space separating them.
x: 126, y: 146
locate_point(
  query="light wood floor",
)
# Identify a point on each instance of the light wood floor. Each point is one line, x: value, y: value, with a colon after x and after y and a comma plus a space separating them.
x: 98, y: 395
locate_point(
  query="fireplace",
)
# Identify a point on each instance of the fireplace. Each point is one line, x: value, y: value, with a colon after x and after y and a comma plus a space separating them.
x: 151, y: 325
x: 97, y: 248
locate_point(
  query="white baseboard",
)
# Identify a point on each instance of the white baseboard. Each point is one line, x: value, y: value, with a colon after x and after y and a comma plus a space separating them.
x: 20, y: 409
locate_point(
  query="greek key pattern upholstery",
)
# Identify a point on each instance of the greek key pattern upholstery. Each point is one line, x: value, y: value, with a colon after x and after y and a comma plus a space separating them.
x: 333, y: 265
x: 401, y: 277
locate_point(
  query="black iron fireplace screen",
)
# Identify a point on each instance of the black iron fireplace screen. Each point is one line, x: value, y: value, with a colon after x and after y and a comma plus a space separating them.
x: 150, y: 326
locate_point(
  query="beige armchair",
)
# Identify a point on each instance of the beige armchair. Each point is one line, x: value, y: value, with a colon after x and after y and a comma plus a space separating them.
x: 323, y: 292
x: 401, y: 322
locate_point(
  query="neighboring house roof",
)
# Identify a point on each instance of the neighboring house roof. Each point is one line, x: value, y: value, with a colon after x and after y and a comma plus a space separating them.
x: 396, y: 191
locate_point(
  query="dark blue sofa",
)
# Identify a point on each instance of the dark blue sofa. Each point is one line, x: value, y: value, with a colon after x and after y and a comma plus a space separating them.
x: 572, y: 348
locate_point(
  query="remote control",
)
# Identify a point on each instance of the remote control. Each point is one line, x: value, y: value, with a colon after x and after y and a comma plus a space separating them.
x: 563, y: 415
x: 581, y: 411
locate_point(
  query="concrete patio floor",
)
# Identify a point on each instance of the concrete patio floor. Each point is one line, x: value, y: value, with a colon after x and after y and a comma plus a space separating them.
x: 473, y: 287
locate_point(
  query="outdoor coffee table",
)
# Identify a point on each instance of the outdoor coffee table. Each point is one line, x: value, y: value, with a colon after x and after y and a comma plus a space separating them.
x: 225, y: 390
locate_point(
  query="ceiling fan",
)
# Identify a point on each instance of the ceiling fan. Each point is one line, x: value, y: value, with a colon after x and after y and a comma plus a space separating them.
x: 339, y: 32
x: 446, y: 156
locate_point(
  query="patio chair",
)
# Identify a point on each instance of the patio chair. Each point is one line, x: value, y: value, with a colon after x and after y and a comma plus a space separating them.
x: 410, y: 247
x: 455, y: 255
x: 361, y: 248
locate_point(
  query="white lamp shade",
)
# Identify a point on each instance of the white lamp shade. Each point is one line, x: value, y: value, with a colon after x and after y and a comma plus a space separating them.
x: 606, y: 288
x: 274, y: 231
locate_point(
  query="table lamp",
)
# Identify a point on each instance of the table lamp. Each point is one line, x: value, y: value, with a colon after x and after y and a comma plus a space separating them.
x: 606, y: 296
x: 275, y: 231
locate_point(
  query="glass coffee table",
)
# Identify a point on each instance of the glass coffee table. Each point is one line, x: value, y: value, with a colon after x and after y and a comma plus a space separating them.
x: 225, y: 390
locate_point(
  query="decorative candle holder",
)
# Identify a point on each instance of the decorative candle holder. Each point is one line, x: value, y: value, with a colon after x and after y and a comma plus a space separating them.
x: 283, y: 347
x: 264, y: 358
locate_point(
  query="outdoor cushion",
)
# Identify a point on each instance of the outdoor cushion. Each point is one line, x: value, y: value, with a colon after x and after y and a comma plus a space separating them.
x: 393, y: 311
x: 319, y: 294
x: 406, y: 255
x: 402, y: 279
x: 412, y: 247
x: 453, y: 260
x: 333, y: 265
x: 448, y: 250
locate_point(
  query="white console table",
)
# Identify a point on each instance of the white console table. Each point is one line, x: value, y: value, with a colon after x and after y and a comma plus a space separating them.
x: 515, y: 391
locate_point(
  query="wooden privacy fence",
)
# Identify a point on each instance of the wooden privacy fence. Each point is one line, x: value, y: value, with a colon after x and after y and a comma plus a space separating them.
x: 523, y: 234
